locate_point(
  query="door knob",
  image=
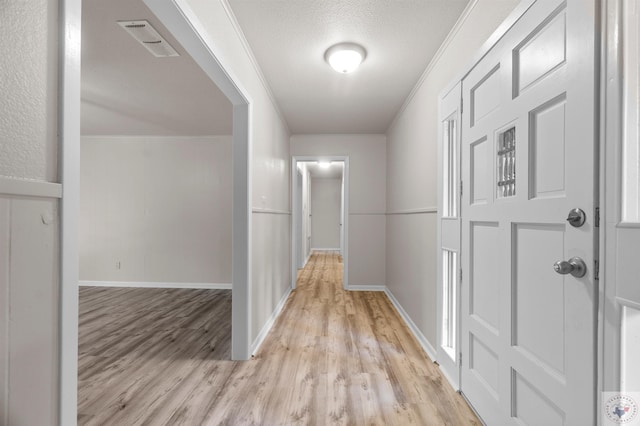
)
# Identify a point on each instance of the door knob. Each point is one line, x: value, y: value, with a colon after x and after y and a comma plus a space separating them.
x: 575, y: 266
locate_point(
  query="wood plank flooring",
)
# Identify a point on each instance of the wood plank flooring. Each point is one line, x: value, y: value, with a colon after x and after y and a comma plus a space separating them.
x: 333, y: 357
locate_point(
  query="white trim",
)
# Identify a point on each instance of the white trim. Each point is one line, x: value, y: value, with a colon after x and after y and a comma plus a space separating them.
x: 152, y: 137
x: 69, y: 59
x: 424, y: 343
x: 270, y: 211
x: 424, y: 210
x: 454, y: 384
x: 269, y: 324
x: 628, y: 303
x: 627, y: 225
x: 365, y: 287
x: 435, y: 59
x: 29, y: 188
x: 185, y: 26
x: 153, y: 284
x: 254, y: 63
x: 367, y: 214
x: 519, y: 10
x: 325, y: 249
x: 611, y: 141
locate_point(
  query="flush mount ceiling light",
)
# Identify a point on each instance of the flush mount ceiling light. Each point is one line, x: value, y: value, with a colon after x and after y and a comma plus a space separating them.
x: 146, y: 35
x: 345, y: 57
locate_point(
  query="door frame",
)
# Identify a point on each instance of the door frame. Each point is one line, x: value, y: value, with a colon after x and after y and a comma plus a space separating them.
x: 519, y: 10
x: 619, y: 236
x: 296, y: 211
x: 449, y: 105
x: 184, y: 25
x: 296, y: 200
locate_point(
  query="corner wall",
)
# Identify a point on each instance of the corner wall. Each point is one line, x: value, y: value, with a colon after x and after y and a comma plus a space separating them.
x: 412, y: 190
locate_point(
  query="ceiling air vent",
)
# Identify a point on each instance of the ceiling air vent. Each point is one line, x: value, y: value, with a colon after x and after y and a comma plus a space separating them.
x: 149, y: 38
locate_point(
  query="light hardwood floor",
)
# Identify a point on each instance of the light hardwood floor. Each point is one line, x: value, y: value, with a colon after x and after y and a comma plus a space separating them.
x: 333, y: 357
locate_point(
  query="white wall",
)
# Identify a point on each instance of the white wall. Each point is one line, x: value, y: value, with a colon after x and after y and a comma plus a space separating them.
x: 28, y: 83
x: 367, y: 198
x: 29, y: 199
x: 269, y: 135
x: 411, y: 169
x: 325, y: 213
x: 156, y: 209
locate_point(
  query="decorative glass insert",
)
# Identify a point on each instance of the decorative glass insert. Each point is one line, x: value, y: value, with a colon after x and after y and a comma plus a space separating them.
x: 507, y: 163
x: 449, y: 302
x: 450, y: 169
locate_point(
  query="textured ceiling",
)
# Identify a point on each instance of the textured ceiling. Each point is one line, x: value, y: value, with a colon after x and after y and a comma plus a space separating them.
x: 128, y: 91
x: 289, y: 38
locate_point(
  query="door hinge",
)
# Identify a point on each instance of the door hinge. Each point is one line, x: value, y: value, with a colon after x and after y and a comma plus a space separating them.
x: 597, y: 224
x: 460, y: 358
x: 461, y: 188
x: 596, y: 269
x: 460, y: 271
x: 461, y: 105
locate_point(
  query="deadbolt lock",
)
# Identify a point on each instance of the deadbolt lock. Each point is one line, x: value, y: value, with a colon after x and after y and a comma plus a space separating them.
x: 576, y: 218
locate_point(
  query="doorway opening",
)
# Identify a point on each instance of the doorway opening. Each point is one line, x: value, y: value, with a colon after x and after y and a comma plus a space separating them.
x: 320, y: 208
x: 184, y: 27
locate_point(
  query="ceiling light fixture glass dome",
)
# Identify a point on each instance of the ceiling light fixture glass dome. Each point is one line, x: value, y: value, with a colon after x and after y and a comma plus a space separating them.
x: 345, y: 57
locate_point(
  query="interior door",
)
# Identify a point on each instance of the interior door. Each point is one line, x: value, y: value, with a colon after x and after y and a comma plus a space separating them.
x: 528, y: 159
x: 449, y: 234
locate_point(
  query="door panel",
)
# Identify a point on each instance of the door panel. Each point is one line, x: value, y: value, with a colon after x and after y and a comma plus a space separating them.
x: 539, y: 333
x: 547, y: 149
x: 528, y: 157
x: 541, y: 52
x: 532, y: 406
x: 479, y: 164
x: 484, y: 285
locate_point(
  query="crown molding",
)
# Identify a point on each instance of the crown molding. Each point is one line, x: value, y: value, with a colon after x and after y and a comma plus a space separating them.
x: 254, y: 63
x: 434, y: 61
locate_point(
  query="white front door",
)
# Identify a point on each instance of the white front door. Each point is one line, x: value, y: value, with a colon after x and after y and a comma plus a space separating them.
x: 529, y: 141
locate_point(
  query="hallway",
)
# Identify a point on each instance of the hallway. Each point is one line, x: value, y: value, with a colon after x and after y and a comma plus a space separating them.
x: 333, y: 357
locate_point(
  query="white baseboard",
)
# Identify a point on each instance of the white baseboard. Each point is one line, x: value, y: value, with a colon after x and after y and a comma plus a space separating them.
x: 454, y: 383
x: 153, y: 284
x: 371, y: 287
x: 325, y: 249
x: 431, y: 352
x: 269, y: 324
